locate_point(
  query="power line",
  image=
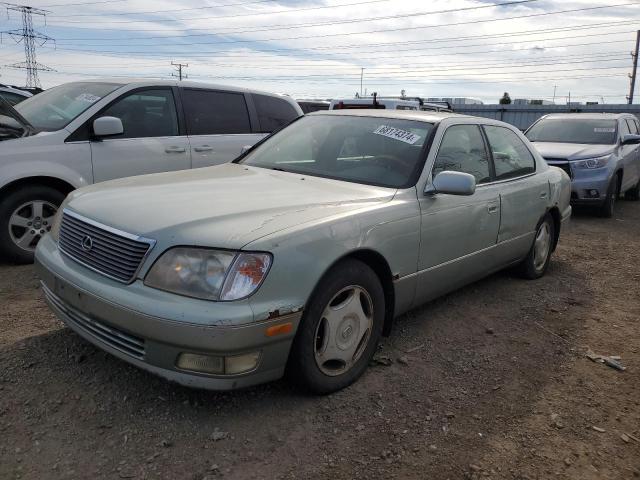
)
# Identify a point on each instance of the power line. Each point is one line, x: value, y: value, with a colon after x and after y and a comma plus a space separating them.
x: 405, y: 29
x: 292, y: 10
x: 28, y: 36
x: 353, y: 20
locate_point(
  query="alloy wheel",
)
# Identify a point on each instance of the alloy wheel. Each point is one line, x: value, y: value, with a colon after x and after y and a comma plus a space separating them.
x: 542, y: 246
x: 29, y: 222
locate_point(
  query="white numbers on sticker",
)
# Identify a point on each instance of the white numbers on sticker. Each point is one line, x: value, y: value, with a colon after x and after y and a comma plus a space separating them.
x: 397, y: 134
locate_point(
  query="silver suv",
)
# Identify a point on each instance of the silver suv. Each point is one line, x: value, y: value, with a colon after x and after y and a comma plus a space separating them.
x: 86, y: 132
x: 599, y: 151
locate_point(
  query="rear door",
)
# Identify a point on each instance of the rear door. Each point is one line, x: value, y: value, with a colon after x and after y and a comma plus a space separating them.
x: 150, y: 142
x: 524, y: 194
x: 218, y: 125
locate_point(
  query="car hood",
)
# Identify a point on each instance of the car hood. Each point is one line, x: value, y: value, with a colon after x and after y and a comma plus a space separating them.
x: 572, y: 151
x: 226, y: 206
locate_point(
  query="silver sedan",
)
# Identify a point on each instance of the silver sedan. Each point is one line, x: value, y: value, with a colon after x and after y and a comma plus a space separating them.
x: 296, y: 257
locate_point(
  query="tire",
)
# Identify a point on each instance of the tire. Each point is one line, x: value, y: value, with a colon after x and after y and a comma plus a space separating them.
x: 321, y: 362
x: 607, y: 208
x: 633, y: 193
x: 25, y: 215
x: 537, y: 261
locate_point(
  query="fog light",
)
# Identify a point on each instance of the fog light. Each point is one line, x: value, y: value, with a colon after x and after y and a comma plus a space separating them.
x: 241, y: 363
x: 201, y: 363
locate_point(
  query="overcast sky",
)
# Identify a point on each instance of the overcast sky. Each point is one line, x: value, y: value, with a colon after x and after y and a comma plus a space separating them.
x: 473, y: 48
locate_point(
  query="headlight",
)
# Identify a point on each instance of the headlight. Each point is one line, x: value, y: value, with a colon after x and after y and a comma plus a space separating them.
x: 209, y: 274
x: 598, y: 162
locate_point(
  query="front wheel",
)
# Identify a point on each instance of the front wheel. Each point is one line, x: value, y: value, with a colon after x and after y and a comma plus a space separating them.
x: 536, y: 263
x: 340, y: 329
x: 606, y: 210
x: 25, y: 216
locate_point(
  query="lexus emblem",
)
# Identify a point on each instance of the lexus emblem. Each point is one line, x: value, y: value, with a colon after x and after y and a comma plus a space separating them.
x: 87, y: 243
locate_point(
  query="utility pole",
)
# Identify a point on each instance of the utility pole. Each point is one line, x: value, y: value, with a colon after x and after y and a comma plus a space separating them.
x: 554, y: 93
x: 28, y: 36
x: 179, y: 67
x: 361, y: 78
x: 635, y: 69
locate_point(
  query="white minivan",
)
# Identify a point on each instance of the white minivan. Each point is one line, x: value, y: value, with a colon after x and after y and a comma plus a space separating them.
x: 91, y: 131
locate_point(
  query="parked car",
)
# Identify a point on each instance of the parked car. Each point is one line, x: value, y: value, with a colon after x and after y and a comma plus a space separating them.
x: 85, y: 132
x: 297, y: 256
x: 13, y: 95
x: 374, y: 102
x: 600, y: 152
x: 309, y: 106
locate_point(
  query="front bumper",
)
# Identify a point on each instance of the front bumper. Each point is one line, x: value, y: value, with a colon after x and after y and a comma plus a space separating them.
x: 151, y: 342
x: 585, y: 182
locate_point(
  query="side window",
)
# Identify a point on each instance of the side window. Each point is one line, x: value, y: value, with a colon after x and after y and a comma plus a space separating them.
x: 209, y: 112
x: 145, y: 113
x: 463, y: 150
x: 511, y: 156
x: 273, y: 112
x: 12, y: 98
x: 624, y: 128
x: 633, y: 126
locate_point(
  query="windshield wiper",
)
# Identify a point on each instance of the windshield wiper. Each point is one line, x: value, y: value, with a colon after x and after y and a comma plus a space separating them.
x: 278, y: 169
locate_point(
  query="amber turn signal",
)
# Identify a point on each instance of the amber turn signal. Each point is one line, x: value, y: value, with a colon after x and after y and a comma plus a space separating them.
x: 279, y: 329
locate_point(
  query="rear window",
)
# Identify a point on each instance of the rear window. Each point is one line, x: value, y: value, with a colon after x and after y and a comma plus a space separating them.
x: 211, y: 112
x: 574, y: 130
x: 273, y: 112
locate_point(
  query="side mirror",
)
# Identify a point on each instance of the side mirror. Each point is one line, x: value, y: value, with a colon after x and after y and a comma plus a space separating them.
x: 107, y: 126
x: 630, y: 139
x: 452, y: 183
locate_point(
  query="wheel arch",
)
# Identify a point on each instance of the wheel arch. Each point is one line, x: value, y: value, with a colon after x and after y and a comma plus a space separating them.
x: 557, y: 223
x: 54, y: 182
x: 378, y: 263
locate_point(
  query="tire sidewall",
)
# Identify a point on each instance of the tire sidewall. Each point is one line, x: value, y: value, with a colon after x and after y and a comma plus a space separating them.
x: 9, y: 203
x: 530, y: 270
x: 302, y: 364
x: 612, y: 193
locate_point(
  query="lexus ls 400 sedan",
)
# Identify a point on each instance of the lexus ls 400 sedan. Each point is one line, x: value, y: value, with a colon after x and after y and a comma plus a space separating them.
x: 296, y: 257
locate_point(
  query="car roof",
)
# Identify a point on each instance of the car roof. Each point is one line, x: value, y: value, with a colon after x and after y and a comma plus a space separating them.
x: 145, y: 82
x: 590, y: 116
x: 421, y: 116
x: 17, y: 91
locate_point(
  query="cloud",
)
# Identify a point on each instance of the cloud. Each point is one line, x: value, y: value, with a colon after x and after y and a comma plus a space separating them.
x: 315, y: 49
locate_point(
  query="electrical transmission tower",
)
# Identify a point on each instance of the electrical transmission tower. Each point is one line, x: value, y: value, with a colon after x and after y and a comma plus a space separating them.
x: 179, y: 67
x: 28, y: 36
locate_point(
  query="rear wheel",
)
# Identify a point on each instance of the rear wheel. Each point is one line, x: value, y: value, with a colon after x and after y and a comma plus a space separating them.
x: 340, y: 329
x: 537, y: 261
x: 25, y: 216
x: 607, y: 208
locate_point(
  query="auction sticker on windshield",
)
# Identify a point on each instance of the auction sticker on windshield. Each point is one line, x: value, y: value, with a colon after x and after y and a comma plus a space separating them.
x: 397, y: 134
x: 87, y: 97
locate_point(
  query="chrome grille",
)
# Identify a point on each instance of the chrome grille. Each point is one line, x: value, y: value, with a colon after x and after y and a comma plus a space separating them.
x: 113, y: 337
x: 108, y: 251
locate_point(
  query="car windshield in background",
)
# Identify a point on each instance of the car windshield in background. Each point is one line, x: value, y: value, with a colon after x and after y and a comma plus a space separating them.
x: 370, y: 150
x: 55, y: 108
x: 574, y: 130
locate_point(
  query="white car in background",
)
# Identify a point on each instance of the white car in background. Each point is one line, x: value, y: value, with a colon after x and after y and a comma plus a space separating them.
x: 86, y: 132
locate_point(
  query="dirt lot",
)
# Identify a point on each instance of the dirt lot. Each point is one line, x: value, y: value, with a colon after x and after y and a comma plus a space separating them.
x: 492, y: 382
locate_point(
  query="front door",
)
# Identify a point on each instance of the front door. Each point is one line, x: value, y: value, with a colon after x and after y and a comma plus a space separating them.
x: 150, y: 142
x: 458, y: 232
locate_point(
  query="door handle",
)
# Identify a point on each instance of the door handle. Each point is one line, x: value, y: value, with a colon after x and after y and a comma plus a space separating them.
x: 492, y: 208
x: 175, y: 149
x: 203, y: 148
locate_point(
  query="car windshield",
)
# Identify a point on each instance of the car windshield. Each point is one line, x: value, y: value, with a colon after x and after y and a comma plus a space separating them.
x: 574, y: 130
x: 370, y: 150
x: 55, y: 108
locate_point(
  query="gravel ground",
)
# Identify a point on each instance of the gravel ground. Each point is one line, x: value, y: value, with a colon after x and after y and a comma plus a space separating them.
x: 488, y: 382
